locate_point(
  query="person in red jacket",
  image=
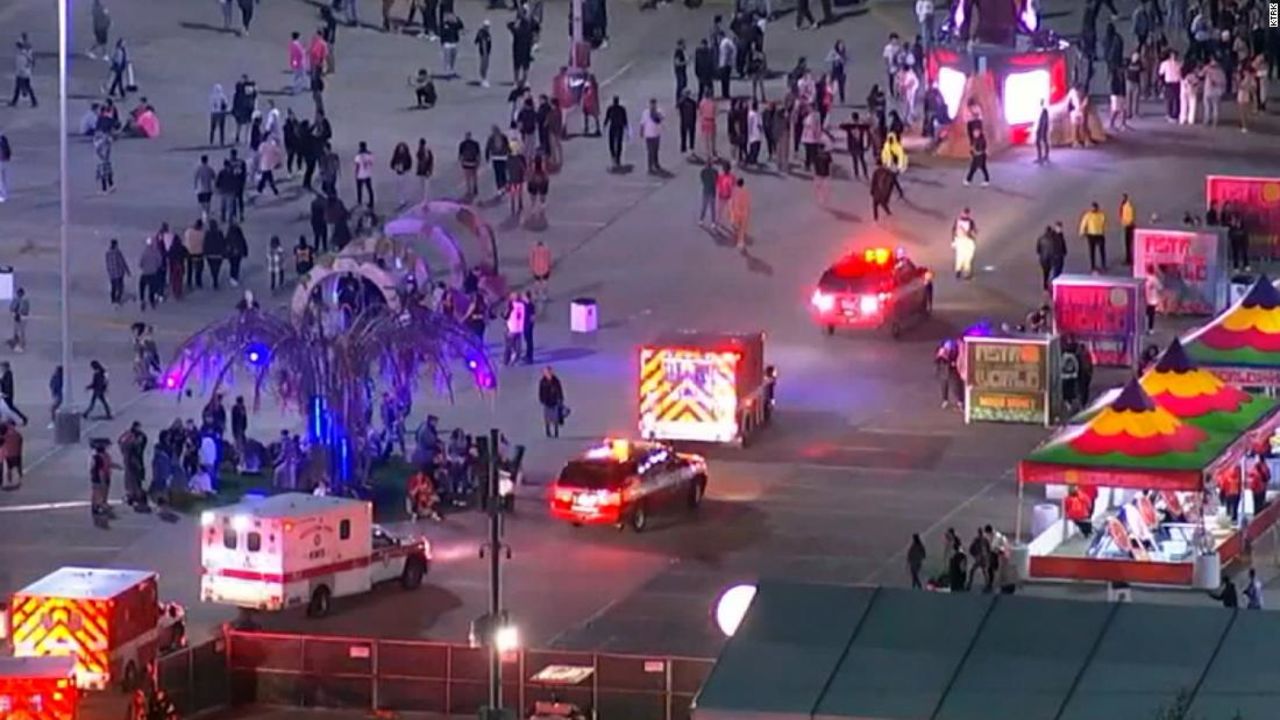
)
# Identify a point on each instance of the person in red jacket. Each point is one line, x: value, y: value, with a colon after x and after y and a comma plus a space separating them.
x: 1259, y: 477
x: 1229, y: 490
x: 1079, y: 510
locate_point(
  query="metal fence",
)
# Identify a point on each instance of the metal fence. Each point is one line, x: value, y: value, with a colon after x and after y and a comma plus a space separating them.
x: 196, y: 678
x: 444, y: 679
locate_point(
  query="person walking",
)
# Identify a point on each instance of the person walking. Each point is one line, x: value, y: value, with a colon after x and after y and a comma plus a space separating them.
x: 275, y: 263
x: 176, y: 265
x: 469, y: 161
x: 55, y: 395
x: 497, y: 150
x: 117, y: 271
x: 105, y: 173
x: 6, y: 156
x: 856, y: 142
x: 484, y: 49
x: 651, y: 131
x: 19, y: 312
x: 1093, y: 224
x: 101, y: 29
x: 225, y: 184
x: 451, y: 29
x: 915, y: 558
x: 551, y: 398
x: 978, y: 158
x: 964, y: 240
x: 149, y: 264
x: 515, y: 318
x: 1041, y: 132
x: 687, y: 111
x: 739, y: 214
x: 237, y: 251
x: 616, y: 125
x: 204, y: 180
x: 1170, y: 72
x: 881, y: 189
x: 297, y: 64
x: 707, y: 125
x: 119, y: 67
x: 193, y: 239
x: 303, y: 257
x: 363, y: 165
x: 707, y: 178
x: 424, y: 167
x: 539, y: 186
x: 97, y: 388
x: 11, y: 450
x: 7, y: 392
x: 1128, y: 223
x: 269, y: 158
x: 23, y: 65
x: 894, y: 157
x: 319, y: 225
x: 680, y: 64
x: 540, y: 268
x: 726, y: 56
x: 822, y: 162
x: 1051, y: 250
x: 215, y: 249
x: 239, y: 181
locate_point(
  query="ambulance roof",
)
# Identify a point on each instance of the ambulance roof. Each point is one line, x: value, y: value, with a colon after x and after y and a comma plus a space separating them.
x: 289, y: 505
x: 86, y: 583
x: 715, y: 341
x: 28, y: 668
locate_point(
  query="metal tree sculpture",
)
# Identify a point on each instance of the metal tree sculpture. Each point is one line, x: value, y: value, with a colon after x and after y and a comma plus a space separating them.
x: 328, y: 365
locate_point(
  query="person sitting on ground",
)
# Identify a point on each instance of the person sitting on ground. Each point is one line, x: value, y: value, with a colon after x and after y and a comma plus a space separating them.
x: 89, y: 121
x: 424, y: 90
x: 143, y: 122
x: 421, y: 497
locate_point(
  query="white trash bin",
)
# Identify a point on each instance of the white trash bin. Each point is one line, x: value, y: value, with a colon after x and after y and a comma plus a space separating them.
x: 583, y: 315
x: 1043, y: 516
x: 1206, y: 574
x: 6, y: 283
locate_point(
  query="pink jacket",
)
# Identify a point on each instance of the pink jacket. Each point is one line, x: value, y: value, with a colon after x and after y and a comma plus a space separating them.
x: 319, y: 52
x: 297, y: 56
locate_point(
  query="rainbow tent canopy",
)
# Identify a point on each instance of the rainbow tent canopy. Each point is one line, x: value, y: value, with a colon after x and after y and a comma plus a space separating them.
x: 1247, y: 335
x: 1198, y: 395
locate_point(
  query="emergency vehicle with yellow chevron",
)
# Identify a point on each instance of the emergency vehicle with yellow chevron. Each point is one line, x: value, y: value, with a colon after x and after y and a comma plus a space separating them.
x: 107, y: 620
x: 705, y: 387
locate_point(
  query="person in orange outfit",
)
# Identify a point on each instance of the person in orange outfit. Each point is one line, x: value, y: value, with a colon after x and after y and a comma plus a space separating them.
x: 1259, y: 478
x: 740, y: 214
x: 1229, y: 490
x: 1079, y: 510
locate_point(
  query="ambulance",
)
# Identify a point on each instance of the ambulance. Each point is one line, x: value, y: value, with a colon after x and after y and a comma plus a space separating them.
x: 705, y: 387
x: 108, y: 621
x: 38, y: 688
x: 298, y: 549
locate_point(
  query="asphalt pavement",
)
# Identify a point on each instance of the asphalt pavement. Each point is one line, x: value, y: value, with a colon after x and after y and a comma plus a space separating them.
x: 860, y: 454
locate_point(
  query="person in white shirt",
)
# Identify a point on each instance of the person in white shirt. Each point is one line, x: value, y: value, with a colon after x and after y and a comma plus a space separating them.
x: 515, y: 329
x: 892, y: 50
x: 1215, y: 86
x: 364, y: 173
x: 1170, y: 72
x: 1189, y: 100
x: 924, y: 16
x: 908, y: 88
x: 651, y: 131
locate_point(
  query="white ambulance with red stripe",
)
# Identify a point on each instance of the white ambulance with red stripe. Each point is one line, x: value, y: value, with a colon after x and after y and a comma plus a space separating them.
x: 297, y: 549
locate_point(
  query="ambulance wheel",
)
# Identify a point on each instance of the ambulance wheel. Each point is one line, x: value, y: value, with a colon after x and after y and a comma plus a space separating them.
x: 411, y: 578
x: 639, y: 518
x: 130, y: 681
x: 831, y: 330
x: 319, y: 604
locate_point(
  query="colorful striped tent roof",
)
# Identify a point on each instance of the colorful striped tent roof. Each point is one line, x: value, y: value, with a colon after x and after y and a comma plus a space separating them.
x: 1193, y: 393
x: 1246, y: 335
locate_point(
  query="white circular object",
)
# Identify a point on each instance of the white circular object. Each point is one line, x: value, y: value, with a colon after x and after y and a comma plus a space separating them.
x: 732, y: 607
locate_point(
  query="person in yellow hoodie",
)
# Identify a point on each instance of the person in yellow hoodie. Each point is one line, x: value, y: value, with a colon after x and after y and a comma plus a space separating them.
x: 1093, y: 227
x: 1128, y: 217
x: 894, y: 157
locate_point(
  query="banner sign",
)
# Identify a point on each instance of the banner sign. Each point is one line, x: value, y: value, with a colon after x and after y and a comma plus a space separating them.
x: 1010, y: 379
x: 1106, y: 314
x: 1189, y: 267
x: 1258, y: 200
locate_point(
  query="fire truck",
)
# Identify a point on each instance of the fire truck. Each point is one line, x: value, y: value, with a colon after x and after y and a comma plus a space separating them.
x: 108, y: 621
x: 294, y: 549
x: 705, y: 387
x: 38, y: 688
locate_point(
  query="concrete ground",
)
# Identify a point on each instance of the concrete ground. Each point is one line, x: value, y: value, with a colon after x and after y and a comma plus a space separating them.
x: 860, y: 455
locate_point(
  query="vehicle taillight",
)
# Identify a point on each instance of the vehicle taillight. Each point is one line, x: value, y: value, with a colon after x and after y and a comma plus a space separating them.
x: 563, y: 495
x: 823, y: 302
x: 869, y: 304
x: 610, y: 497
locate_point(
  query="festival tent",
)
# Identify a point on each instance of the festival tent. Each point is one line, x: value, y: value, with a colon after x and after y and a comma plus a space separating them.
x: 898, y: 654
x: 1242, y: 345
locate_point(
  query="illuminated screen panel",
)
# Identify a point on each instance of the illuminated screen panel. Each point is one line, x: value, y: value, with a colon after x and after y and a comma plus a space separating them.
x: 951, y: 85
x: 1023, y: 92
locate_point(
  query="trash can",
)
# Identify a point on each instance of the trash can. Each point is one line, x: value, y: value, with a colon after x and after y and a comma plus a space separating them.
x: 1020, y: 556
x: 66, y: 427
x: 1206, y: 574
x: 583, y: 316
x: 1043, y: 516
x: 6, y: 282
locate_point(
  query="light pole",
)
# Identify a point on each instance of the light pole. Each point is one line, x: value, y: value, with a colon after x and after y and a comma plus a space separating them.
x: 67, y: 430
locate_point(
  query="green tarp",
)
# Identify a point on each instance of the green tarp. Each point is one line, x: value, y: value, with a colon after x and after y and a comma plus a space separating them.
x: 830, y: 652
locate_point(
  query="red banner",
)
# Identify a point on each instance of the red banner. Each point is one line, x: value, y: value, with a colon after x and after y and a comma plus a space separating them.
x: 1106, y: 314
x: 1258, y: 199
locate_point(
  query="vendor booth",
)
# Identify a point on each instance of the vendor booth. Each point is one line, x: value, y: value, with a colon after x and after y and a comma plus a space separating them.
x: 1013, y: 379
x: 1163, y: 481
x: 1106, y: 314
x: 1242, y: 345
x: 1257, y: 200
x: 1189, y: 267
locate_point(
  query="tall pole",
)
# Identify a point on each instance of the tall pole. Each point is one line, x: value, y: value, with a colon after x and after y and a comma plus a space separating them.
x: 65, y: 205
x: 495, y: 576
